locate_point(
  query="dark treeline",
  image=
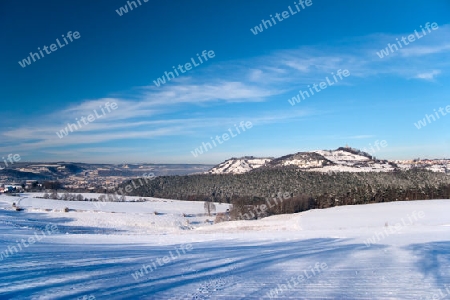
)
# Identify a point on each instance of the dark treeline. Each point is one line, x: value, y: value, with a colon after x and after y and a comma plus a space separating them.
x: 250, y: 208
x: 307, y: 189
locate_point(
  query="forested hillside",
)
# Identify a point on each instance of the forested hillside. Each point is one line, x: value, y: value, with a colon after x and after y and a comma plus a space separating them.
x: 324, y: 190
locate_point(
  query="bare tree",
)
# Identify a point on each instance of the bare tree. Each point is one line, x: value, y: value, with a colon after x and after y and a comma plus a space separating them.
x: 54, y: 195
x: 209, y: 207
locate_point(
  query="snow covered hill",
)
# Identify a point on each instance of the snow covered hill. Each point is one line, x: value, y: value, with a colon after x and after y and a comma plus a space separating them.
x: 343, y: 159
x: 239, y: 165
x: 340, y: 160
x: 396, y: 250
x: 302, y: 160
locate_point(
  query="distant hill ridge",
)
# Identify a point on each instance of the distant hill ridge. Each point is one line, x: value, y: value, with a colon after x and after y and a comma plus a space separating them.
x: 343, y: 159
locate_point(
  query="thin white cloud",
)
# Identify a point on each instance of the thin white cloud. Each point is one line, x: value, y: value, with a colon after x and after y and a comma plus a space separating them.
x: 428, y: 75
x: 209, y: 92
x: 149, y: 112
x: 361, y: 137
x: 42, y: 138
x: 426, y: 50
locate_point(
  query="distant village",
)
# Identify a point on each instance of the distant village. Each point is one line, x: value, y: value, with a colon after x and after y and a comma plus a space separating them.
x: 87, y: 178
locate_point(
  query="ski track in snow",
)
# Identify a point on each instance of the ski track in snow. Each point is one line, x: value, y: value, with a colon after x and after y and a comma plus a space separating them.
x: 232, y: 260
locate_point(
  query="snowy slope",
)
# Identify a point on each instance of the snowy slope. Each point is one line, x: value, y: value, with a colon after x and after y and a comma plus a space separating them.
x: 339, y: 160
x: 239, y: 165
x: 153, y: 216
x: 346, y: 161
x: 397, y: 250
x: 444, y: 168
x: 301, y: 160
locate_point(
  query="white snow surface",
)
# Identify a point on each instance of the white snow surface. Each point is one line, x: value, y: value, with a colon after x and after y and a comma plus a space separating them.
x: 239, y: 165
x: 348, y: 162
x: 341, y: 157
x: 397, y: 250
x: 439, y: 168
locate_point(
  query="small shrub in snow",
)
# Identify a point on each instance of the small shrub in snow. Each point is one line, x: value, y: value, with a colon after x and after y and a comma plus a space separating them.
x: 220, y: 217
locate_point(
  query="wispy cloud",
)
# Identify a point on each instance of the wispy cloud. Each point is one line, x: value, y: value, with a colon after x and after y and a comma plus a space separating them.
x: 426, y: 50
x: 428, y: 75
x: 360, y: 137
x: 148, y: 112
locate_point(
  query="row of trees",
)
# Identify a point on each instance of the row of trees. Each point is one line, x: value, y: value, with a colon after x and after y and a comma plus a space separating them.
x: 66, y: 196
x: 306, y: 190
x: 74, y: 197
x: 221, y: 188
x: 252, y: 208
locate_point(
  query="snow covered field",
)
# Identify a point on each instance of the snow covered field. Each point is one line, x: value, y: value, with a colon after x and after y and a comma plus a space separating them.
x: 398, y: 250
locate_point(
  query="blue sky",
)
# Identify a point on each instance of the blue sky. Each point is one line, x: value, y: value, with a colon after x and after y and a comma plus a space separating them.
x: 250, y: 78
